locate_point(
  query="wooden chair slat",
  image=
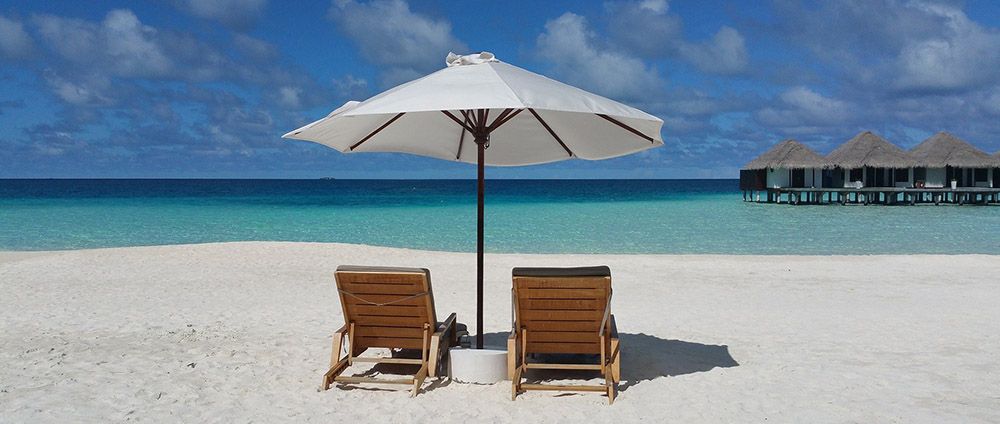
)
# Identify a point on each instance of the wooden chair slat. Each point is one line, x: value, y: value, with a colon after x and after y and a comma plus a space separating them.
x: 545, y: 325
x: 391, y: 342
x: 561, y: 282
x: 362, y: 289
x: 565, y: 293
x: 563, y: 347
x: 388, y: 321
x: 567, y: 315
x: 380, y: 331
x: 583, y: 304
x: 565, y: 336
x: 395, y: 299
x: 390, y: 310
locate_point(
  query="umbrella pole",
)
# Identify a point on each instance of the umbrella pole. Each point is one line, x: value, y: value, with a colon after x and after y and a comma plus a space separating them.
x: 481, y: 147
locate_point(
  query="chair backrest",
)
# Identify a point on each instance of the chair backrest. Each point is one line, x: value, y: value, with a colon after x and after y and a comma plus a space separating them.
x: 562, y: 309
x: 388, y: 306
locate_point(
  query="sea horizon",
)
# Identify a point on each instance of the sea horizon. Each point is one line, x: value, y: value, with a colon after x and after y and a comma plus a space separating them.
x: 610, y: 216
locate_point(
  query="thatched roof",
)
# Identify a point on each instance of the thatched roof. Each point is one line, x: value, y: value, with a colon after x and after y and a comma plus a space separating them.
x: 943, y: 149
x: 867, y: 149
x: 788, y: 154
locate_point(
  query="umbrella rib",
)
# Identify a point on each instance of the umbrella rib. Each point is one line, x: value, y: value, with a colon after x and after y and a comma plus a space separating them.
x: 626, y: 127
x: 503, y: 118
x: 377, y: 130
x: 461, y: 140
x: 481, y: 120
x: 552, y: 133
x: 489, y: 128
x: 458, y: 121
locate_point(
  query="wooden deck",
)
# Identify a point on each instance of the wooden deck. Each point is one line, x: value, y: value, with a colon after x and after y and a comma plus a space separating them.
x: 876, y: 195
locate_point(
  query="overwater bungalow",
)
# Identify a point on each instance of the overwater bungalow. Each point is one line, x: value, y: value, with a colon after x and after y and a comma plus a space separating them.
x: 868, y: 160
x: 996, y: 171
x: 944, y: 158
x: 868, y: 169
x: 789, y: 164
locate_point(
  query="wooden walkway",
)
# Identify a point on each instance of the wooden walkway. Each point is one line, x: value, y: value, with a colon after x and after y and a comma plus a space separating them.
x: 876, y: 195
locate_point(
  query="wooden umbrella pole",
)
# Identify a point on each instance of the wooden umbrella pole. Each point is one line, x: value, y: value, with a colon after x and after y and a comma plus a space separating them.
x: 481, y: 147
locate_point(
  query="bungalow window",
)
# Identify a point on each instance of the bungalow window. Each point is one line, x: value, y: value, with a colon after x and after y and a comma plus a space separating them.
x: 981, y: 175
x: 902, y: 175
x: 919, y: 174
x: 856, y: 174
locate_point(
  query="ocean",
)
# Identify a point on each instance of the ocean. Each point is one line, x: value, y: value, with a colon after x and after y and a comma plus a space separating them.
x: 522, y: 216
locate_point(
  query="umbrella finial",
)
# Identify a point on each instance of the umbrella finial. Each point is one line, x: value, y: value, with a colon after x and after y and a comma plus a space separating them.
x: 469, y: 59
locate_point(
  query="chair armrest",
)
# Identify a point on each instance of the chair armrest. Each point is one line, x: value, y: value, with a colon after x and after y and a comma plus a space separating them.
x: 614, y: 328
x: 616, y: 351
x: 438, y: 350
x: 512, y: 354
x: 449, y: 325
x: 341, y: 330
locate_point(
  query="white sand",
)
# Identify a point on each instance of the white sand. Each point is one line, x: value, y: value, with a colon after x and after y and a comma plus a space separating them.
x: 108, y: 335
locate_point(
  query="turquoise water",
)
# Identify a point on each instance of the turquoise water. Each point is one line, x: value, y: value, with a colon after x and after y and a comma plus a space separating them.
x: 529, y: 216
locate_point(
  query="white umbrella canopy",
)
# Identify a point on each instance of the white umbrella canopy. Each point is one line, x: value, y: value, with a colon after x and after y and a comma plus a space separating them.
x: 483, y: 111
x: 558, y: 122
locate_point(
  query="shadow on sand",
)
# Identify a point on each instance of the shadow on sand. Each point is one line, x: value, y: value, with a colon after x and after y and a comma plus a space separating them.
x: 646, y: 357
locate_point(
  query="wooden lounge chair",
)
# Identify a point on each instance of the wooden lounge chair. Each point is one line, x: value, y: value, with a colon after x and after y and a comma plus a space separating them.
x: 389, y: 308
x: 563, y: 311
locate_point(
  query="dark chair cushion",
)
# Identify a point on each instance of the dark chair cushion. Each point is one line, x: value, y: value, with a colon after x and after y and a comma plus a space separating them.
x: 384, y: 269
x: 583, y: 271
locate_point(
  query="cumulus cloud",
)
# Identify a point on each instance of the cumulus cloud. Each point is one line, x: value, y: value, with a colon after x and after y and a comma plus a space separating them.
x: 351, y: 87
x: 255, y: 48
x: 961, y: 54
x: 388, y: 33
x: 647, y: 28
x: 576, y: 55
x: 660, y: 30
x: 15, y: 42
x: 802, y: 110
x: 236, y: 14
x: 906, y: 46
x: 139, y: 97
x: 725, y: 53
x: 121, y: 45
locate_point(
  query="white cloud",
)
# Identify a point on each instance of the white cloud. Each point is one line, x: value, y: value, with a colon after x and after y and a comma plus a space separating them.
x: 86, y: 91
x: 573, y: 50
x: 289, y: 97
x: 655, y: 6
x: 801, y: 108
x: 351, y: 87
x: 14, y: 41
x: 648, y: 29
x: 894, y: 45
x: 725, y: 53
x: 120, y: 43
x: 960, y: 55
x: 388, y: 33
x: 255, y: 49
x: 237, y: 14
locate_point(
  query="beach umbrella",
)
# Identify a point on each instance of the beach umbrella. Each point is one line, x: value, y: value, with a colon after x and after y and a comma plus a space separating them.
x: 483, y: 111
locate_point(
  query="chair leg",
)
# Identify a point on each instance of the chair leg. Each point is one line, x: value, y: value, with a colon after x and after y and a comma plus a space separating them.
x: 418, y: 379
x: 609, y: 381
x: 616, y: 360
x: 332, y: 374
x: 337, y: 364
x: 515, y: 383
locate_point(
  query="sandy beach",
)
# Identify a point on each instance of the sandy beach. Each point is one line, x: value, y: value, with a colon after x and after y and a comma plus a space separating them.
x: 241, y: 332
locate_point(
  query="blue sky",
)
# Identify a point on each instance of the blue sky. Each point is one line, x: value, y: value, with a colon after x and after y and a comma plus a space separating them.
x: 205, y: 88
